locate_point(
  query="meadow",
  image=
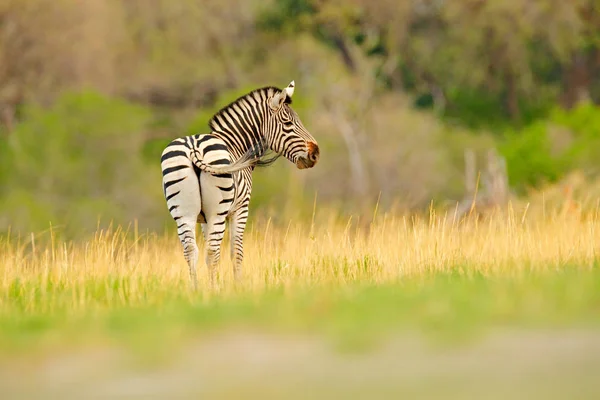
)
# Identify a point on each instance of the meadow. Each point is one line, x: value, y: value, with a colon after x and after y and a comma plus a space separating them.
x: 413, y: 104
x: 355, y: 286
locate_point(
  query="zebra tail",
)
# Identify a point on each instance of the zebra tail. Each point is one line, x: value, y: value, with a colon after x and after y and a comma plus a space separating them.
x: 249, y: 159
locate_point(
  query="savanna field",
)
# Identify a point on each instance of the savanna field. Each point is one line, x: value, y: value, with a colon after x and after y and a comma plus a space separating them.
x: 418, y: 304
x: 445, y: 246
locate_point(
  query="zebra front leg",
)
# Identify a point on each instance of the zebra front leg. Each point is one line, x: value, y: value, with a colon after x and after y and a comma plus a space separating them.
x: 236, y: 230
x: 214, y: 232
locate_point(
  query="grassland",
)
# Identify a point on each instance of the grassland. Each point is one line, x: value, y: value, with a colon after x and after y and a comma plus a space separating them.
x: 357, y: 287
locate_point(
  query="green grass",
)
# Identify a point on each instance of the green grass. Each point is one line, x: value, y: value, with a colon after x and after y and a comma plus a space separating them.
x: 442, y: 306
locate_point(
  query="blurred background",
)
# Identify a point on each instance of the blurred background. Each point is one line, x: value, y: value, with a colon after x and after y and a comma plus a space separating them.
x: 413, y: 103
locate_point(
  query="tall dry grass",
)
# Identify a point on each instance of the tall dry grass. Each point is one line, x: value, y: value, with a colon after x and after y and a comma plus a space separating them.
x: 325, y: 251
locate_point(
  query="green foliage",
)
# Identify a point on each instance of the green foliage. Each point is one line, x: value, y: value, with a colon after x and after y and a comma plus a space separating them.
x: 23, y: 209
x: 529, y: 157
x: 544, y: 151
x: 479, y: 109
x: 80, y: 160
x: 583, y: 120
x: 286, y: 15
x: 165, y: 126
x: 5, y: 162
x: 583, y: 123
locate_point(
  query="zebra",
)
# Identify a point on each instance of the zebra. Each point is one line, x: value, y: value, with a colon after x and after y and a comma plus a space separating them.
x: 207, y: 178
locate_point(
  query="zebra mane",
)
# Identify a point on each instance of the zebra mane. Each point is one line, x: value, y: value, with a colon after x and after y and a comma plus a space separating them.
x: 264, y: 90
x: 259, y: 151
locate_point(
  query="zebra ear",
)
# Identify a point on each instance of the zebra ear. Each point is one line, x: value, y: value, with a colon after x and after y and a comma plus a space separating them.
x: 278, y: 100
x: 290, y: 89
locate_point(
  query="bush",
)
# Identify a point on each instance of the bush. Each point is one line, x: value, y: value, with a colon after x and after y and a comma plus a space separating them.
x: 83, y: 151
x: 545, y: 151
x: 583, y: 123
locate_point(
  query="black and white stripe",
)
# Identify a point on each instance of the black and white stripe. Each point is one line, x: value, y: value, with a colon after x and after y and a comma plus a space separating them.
x: 208, y: 178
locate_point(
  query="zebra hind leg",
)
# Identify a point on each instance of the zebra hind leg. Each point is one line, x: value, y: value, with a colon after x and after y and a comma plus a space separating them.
x: 238, y: 224
x: 187, y: 236
x: 182, y: 192
x: 214, y: 232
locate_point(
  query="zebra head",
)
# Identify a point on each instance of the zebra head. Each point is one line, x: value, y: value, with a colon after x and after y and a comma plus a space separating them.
x: 286, y: 135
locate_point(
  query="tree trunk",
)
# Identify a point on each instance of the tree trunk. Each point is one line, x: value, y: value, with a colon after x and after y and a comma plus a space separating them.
x: 357, y: 164
x: 342, y: 47
x: 576, y: 81
x: 512, y: 95
x: 7, y: 117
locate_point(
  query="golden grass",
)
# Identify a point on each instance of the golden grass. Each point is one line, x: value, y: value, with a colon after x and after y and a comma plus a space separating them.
x: 328, y: 251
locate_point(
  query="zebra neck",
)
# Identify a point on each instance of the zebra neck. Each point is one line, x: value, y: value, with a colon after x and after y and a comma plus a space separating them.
x: 241, y: 124
x: 237, y: 143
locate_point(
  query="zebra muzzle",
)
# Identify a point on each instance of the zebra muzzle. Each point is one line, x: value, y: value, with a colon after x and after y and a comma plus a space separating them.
x: 311, y: 158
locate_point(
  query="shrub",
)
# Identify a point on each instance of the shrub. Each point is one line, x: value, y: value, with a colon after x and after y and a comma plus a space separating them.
x: 82, y: 151
x: 545, y: 151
